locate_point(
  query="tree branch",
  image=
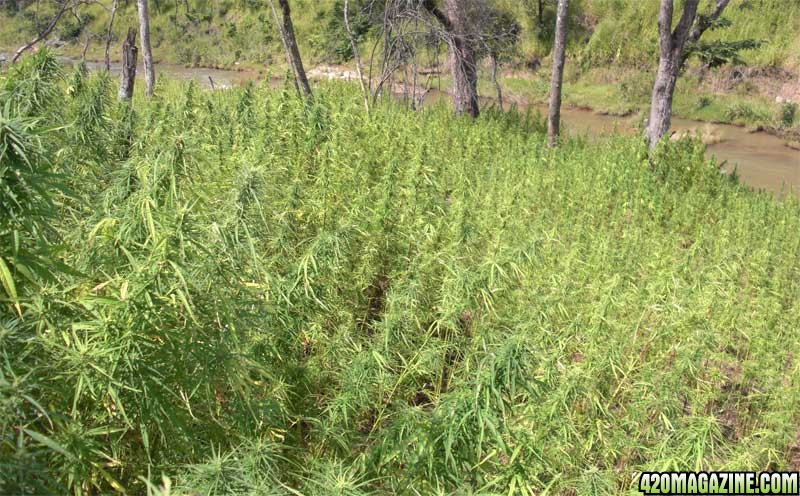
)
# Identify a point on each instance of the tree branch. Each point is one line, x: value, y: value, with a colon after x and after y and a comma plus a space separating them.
x: 431, y: 7
x: 681, y: 32
x: 64, y: 6
x: 705, y: 22
x: 664, y: 28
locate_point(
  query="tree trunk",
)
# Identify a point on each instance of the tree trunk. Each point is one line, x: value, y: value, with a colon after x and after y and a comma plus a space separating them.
x: 147, y: 54
x: 356, y: 55
x: 43, y: 35
x: 294, y: 51
x: 660, y: 119
x: 128, y: 77
x: 672, y: 55
x: 285, y: 46
x: 108, y: 33
x: 85, y: 49
x: 497, y: 87
x: 556, y: 81
x: 386, y: 69
x: 462, y: 59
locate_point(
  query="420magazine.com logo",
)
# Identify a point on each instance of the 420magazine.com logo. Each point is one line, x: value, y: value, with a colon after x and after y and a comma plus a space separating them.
x: 675, y: 483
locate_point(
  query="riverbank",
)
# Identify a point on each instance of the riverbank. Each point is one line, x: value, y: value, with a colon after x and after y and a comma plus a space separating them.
x: 758, y: 99
x: 771, y: 106
x: 764, y: 158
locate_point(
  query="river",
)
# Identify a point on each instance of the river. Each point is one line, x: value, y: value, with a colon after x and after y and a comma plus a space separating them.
x: 762, y: 161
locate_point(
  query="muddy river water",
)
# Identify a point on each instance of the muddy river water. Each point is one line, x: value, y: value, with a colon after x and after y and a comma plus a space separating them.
x: 762, y: 161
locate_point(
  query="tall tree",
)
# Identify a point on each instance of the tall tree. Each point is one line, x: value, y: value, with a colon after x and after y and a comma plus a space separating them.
x: 356, y: 54
x: 462, y: 59
x: 290, y: 42
x: 557, y: 79
x: 114, y: 8
x: 147, y: 54
x: 672, y: 45
x: 128, y: 76
x: 455, y: 20
x: 495, y: 81
x: 285, y: 46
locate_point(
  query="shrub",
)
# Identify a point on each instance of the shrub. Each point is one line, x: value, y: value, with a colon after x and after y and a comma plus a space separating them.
x: 787, y: 115
x: 271, y: 295
x: 703, y: 102
x: 745, y: 112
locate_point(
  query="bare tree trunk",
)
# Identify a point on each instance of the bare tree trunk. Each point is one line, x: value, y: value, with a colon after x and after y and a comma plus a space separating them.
x: 672, y: 55
x: 285, y: 46
x: 128, y: 77
x: 85, y: 48
x: 356, y: 55
x: 462, y: 60
x: 294, y: 51
x: 414, y: 76
x: 660, y: 118
x: 43, y: 35
x: 493, y: 58
x: 108, y: 33
x: 557, y: 79
x: 388, y: 13
x: 147, y: 54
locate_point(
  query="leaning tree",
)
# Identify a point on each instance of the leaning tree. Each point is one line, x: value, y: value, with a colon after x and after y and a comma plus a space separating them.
x: 289, y: 41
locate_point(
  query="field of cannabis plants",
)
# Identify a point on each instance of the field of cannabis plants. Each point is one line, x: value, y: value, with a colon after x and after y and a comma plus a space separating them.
x: 237, y: 293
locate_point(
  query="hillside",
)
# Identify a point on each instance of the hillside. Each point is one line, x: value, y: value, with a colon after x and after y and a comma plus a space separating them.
x: 224, y: 32
x: 250, y: 294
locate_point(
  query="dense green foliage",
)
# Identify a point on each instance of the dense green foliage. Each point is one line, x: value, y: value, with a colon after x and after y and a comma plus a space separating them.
x: 224, y: 32
x: 625, y: 31
x: 265, y: 294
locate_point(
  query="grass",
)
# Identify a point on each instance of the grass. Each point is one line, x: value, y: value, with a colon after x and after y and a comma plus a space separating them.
x: 265, y: 296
